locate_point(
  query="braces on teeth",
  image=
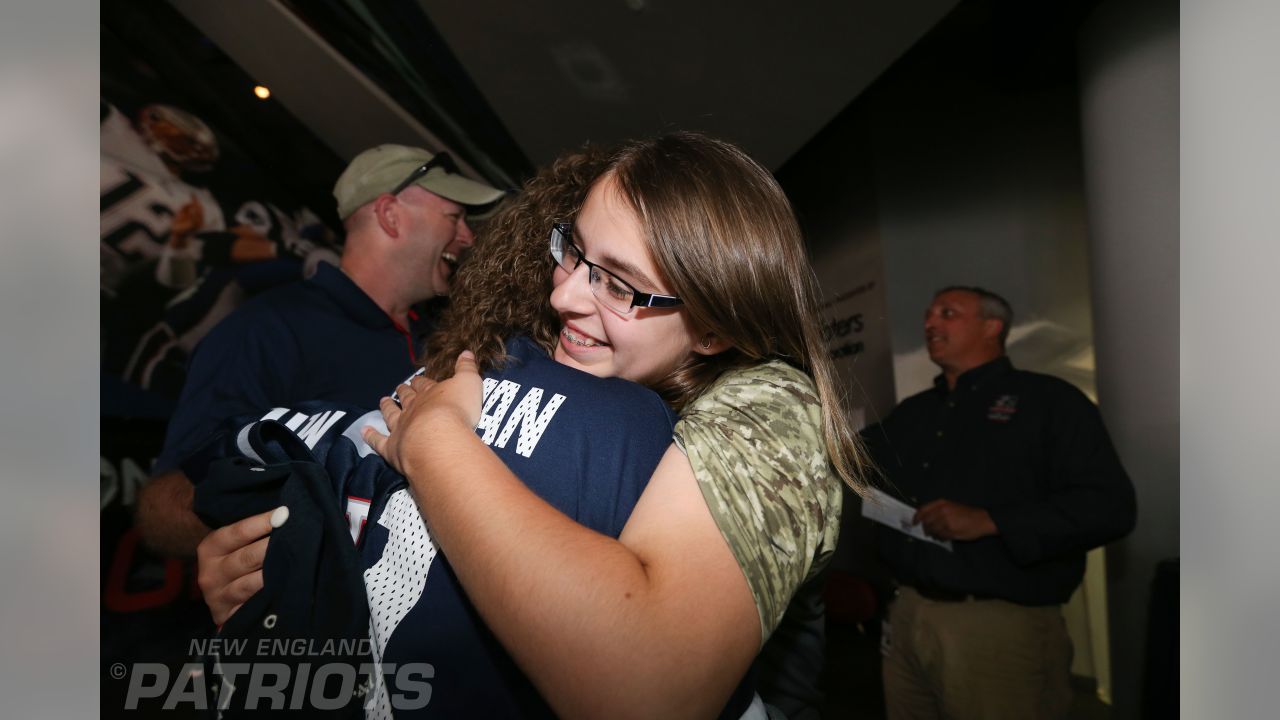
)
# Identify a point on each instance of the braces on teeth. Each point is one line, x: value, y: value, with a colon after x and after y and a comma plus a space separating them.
x: 577, y: 340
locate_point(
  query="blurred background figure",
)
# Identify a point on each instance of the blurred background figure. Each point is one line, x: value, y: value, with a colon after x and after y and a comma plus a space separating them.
x: 1015, y: 475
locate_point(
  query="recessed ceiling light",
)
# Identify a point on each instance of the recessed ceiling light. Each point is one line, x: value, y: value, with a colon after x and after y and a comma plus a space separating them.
x: 261, y: 91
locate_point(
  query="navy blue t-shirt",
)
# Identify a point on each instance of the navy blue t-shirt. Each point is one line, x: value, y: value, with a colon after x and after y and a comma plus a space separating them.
x: 319, y: 339
x: 609, y: 435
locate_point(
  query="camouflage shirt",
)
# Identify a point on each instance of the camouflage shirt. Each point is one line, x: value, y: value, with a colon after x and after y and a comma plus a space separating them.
x: 754, y: 440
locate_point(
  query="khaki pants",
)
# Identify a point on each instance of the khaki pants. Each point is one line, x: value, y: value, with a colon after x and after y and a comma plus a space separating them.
x: 979, y: 659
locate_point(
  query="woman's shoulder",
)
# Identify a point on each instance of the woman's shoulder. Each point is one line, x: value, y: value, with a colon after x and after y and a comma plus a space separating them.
x: 754, y: 443
x: 769, y: 411
x: 764, y: 389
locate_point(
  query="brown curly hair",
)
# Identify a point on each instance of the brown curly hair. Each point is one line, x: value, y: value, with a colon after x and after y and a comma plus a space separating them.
x: 502, y: 290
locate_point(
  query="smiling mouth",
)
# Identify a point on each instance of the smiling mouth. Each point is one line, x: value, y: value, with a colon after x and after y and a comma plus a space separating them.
x: 580, y: 340
x: 451, y: 260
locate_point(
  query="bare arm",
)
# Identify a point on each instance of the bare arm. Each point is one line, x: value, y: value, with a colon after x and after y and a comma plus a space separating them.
x: 165, y: 519
x: 658, y: 623
x: 229, y: 559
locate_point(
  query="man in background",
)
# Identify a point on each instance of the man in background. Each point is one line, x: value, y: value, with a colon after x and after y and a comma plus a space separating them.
x: 1015, y: 472
x: 346, y: 334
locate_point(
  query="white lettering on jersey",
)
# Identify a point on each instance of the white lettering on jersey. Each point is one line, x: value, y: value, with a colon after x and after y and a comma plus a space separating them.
x: 498, y: 397
x: 531, y: 422
x: 317, y: 425
x: 497, y: 400
x: 138, y: 206
x: 357, y: 516
x: 308, y: 428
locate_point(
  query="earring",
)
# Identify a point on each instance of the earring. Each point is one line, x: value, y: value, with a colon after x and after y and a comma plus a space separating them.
x: 706, y: 341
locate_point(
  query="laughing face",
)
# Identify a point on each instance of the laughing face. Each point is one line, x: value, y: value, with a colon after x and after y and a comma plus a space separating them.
x: 439, y: 235
x: 643, y: 346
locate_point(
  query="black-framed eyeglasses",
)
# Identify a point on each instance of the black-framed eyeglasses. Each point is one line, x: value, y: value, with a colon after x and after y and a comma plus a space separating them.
x: 608, y: 288
x: 441, y: 160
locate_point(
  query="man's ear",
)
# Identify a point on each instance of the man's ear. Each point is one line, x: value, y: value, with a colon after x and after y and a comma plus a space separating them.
x: 386, y: 210
x: 710, y: 343
x: 991, y: 328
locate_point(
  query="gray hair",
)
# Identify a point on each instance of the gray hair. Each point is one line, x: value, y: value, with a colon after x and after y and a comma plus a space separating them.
x: 990, y: 305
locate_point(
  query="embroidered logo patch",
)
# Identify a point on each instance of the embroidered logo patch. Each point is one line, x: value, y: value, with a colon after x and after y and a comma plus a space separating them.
x: 1003, y: 408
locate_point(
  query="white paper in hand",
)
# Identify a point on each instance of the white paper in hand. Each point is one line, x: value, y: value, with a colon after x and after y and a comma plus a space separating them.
x: 892, y: 512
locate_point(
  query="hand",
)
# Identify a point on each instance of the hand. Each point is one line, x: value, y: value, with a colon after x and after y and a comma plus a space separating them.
x: 186, y: 222
x: 250, y: 246
x: 230, y: 561
x: 422, y: 402
x: 947, y: 520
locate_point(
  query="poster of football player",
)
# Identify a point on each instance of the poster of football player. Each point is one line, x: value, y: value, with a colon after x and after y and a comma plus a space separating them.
x: 179, y: 252
x: 190, y: 228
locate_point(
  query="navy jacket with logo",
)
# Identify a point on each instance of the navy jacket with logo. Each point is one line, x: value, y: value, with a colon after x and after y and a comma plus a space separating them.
x: 1029, y: 448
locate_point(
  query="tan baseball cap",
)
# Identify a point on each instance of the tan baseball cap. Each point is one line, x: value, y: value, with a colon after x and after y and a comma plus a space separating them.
x: 379, y: 170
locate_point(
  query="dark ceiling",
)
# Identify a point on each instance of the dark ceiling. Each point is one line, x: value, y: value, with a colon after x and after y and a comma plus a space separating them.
x: 507, y: 86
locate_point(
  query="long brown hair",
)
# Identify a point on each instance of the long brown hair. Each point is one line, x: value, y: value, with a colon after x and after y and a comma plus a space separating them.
x: 503, y: 289
x: 726, y: 240
x: 724, y: 237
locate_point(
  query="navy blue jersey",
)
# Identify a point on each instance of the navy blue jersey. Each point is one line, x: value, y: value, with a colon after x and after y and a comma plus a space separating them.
x: 609, y: 435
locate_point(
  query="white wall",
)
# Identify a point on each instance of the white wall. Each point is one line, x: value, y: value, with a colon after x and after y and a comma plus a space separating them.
x: 978, y: 183
x: 1129, y: 114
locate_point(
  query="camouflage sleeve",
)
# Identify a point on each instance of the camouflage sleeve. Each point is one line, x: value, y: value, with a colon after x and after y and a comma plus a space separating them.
x: 754, y: 441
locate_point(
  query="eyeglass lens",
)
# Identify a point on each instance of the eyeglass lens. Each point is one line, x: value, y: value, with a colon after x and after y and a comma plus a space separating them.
x: 604, y: 285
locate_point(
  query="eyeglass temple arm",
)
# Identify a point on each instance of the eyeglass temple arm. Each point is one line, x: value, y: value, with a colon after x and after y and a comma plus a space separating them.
x: 655, y: 301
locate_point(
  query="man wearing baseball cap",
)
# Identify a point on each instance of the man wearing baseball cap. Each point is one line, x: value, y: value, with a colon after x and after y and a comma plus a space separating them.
x: 344, y: 334
x: 405, y: 212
